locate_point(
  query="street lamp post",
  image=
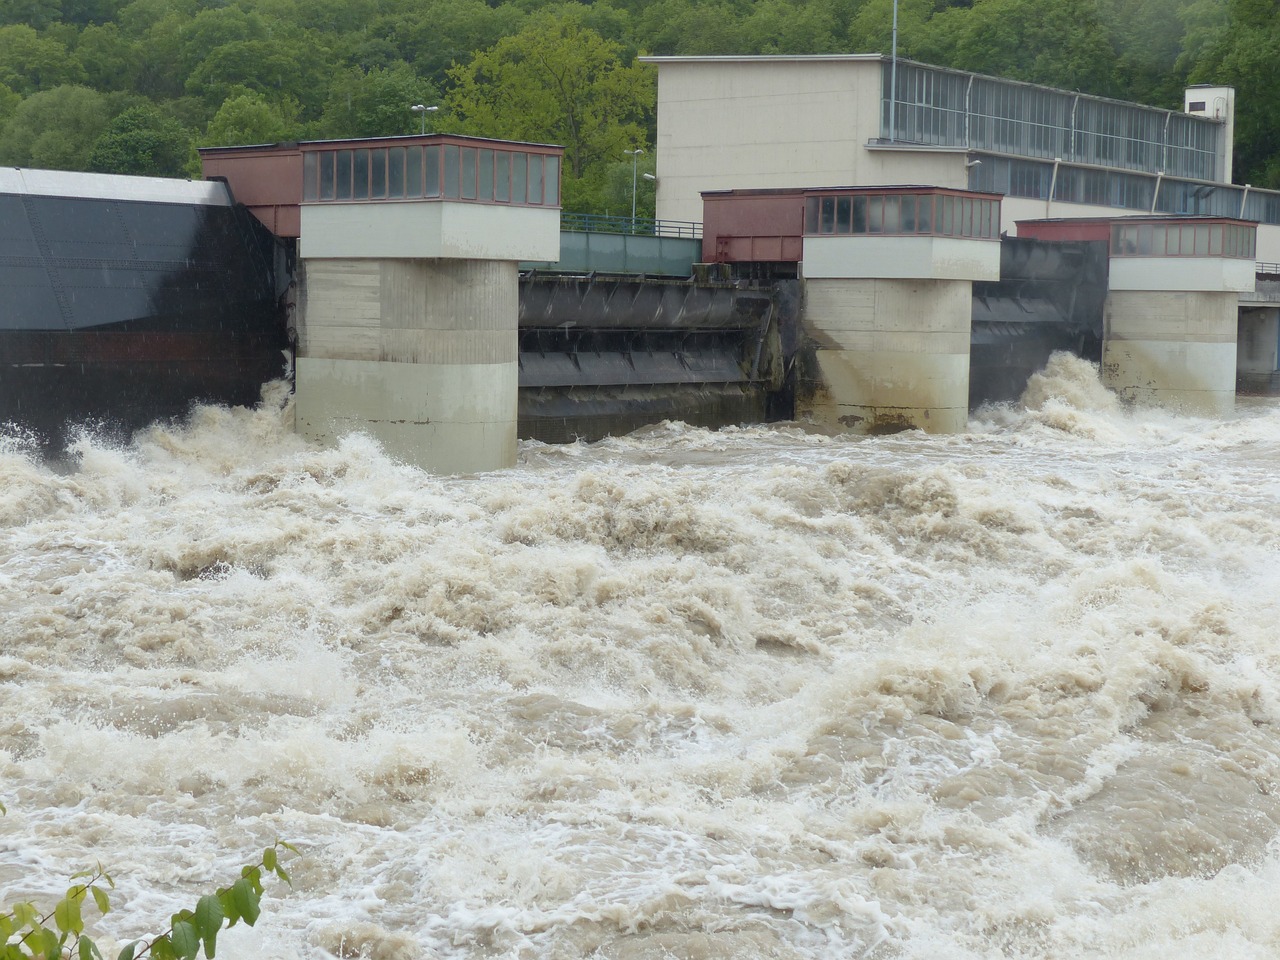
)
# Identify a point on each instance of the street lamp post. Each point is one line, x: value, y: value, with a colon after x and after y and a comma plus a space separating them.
x: 635, y: 156
x: 424, y: 110
x: 893, y: 79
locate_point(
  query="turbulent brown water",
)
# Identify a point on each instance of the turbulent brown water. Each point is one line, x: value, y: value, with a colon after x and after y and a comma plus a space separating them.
x: 685, y: 694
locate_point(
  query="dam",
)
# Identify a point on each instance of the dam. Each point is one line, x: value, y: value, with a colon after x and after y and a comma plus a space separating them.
x: 429, y: 291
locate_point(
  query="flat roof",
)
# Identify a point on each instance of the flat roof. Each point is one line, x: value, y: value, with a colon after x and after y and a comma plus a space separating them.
x: 1122, y: 218
x: 854, y: 57
x: 111, y: 186
x: 428, y: 138
x: 764, y: 58
x: 874, y: 189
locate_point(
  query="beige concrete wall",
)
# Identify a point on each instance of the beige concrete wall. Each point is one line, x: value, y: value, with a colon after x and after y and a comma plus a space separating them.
x: 430, y: 229
x: 739, y: 122
x: 1182, y: 273
x: 422, y: 354
x: 940, y: 258
x: 889, y: 354
x: 1173, y: 349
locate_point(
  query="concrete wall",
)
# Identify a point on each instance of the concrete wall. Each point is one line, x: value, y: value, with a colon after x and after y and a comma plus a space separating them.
x: 747, y: 122
x: 889, y: 354
x: 941, y: 258
x: 1172, y: 348
x: 1209, y: 274
x: 430, y: 229
x: 421, y: 354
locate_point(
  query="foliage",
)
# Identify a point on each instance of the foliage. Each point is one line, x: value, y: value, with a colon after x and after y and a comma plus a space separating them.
x: 375, y: 103
x: 249, y: 118
x: 26, y: 933
x: 240, y: 71
x: 557, y: 81
x: 144, y: 142
x: 55, y: 129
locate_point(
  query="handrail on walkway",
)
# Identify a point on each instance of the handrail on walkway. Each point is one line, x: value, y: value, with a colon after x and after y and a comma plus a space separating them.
x: 595, y: 223
x: 1271, y: 269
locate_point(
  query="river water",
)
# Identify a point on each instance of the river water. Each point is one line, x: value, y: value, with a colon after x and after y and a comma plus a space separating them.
x: 739, y: 694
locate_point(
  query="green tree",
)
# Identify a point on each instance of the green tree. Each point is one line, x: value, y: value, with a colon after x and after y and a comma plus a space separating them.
x: 1247, y: 57
x: 8, y: 104
x: 110, y: 59
x: 374, y: 104
x: 714, y: 27
x: 55, y: 129
x: 557, y: 82
x: 278, y: 69
x: 37, y: 14
x: 433, y: 37
x: 30, y: 62
x: 1062, y: 44
x: 248, y: 117
x: 143, y: 141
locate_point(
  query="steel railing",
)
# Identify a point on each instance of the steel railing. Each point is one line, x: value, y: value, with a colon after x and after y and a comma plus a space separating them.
x: 595, y: 223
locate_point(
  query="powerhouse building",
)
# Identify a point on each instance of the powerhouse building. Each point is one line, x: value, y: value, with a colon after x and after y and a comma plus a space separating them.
x: 743, y: 122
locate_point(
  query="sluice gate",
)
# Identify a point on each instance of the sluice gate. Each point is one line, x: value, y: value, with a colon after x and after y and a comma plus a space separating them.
x: 604, y: 354
x: 1049, y: 297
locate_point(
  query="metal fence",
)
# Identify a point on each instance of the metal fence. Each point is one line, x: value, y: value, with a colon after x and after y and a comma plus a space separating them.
x: 592, y: 223
x: 950, y: 108
x: 1152, y: 193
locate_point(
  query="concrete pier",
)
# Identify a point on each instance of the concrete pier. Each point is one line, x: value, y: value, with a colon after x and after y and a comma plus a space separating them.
x: 422, y: 354
x: 407, y: 294
x: 889, y: 305
x: 1171, y: 315
x: 893, y: 354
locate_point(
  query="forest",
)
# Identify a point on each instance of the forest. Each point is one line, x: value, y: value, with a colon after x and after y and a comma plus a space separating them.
x: 134, y: 86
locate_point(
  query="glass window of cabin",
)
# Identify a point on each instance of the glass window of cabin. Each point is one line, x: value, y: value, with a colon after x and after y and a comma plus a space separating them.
x: 310, y: 176
x: 485, y: 189
x: 811, y: 205
x: 326, y: 175
x: 413, y: 172
x: 1202, y: 239
x: 502, y: 176
x: 1125, y: 240
x: 519, y: 175
x: 535, y: 178
x: 452, y: 180
x: 909, y: 214
x: 827, y: 215
x: 924, y: 214
x: 553, y: 181
x: 875, y: 214
x: 948, y: 216
x: 1188, y: 240
x: 431, y: 171
x: 859, y: 214
x: 378, y: 173
x: 892, y: 215
x: 395, y: 172
x: 1250, y: 242
x: 360, y: 175
x: 844, y: 214
x: 1215, y: 240
x: 467, y: 162
x: 343, y: 176
x: 1232, y: 247
x: 1144, y: 240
